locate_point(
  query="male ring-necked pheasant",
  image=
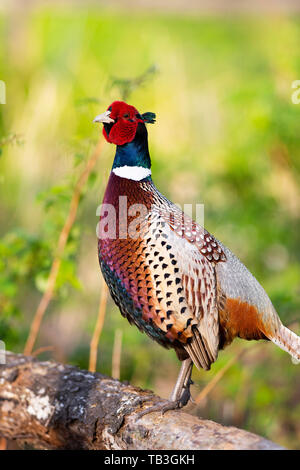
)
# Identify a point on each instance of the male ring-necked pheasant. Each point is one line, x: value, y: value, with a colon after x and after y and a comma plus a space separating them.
x: 167, y: 274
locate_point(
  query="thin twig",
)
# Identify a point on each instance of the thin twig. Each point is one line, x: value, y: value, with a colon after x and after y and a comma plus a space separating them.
x: 127, y: 85
x: 42, y: 307
x: 98, y: 328
x: 116, y: 355
x: 213, y: 382
x: 41, y: 350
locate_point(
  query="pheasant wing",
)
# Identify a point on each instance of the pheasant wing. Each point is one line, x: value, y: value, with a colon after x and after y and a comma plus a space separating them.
x: 187, y: 284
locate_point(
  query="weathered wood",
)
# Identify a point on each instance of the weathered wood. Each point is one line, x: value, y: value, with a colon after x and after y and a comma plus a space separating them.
x: 55, y: 406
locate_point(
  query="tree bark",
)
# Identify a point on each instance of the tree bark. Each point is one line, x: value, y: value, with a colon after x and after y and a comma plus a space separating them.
x: 55, y: 406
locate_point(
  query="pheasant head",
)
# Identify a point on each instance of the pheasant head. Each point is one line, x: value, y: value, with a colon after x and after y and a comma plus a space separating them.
x: 121, y: 122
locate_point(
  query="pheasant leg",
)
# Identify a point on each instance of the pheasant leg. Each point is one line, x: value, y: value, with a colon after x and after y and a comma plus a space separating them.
x: 180, y: 394
x: 181, y: 391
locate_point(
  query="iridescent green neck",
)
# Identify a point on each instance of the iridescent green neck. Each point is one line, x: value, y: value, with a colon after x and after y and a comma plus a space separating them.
x: 135, y: 153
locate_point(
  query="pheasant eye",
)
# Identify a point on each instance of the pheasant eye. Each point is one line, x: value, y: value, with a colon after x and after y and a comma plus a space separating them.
x: 126, y: 115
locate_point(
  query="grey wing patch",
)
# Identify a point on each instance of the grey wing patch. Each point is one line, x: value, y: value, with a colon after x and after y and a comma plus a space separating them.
x: 237, y: 282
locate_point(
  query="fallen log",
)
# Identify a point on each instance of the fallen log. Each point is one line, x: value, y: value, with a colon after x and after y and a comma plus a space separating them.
x: 49, y: 405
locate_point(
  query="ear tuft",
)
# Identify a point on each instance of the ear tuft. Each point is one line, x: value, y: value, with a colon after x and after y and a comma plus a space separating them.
x: 149, y: 118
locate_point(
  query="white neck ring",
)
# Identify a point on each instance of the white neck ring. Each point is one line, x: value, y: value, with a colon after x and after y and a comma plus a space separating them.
x: 136, y: 173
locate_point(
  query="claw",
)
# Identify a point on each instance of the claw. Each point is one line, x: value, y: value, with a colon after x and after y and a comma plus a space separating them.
x: 160, y: 407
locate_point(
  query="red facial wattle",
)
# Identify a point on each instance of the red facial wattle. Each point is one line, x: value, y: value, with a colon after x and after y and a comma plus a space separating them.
x: 121, y: 133
x: 126, y: 119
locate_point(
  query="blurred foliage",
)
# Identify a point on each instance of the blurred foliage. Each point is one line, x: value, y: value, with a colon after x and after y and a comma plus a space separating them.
x: 126, y: 86
x: 227, y: 135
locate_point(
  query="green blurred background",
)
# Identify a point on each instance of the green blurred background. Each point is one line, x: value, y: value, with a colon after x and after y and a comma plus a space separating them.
x: 227, y: 135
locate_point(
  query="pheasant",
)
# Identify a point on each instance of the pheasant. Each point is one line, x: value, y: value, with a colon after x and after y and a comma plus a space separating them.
x: 168, y: 275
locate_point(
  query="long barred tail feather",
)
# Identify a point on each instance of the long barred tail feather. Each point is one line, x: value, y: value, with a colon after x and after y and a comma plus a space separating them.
x: 288, y: 341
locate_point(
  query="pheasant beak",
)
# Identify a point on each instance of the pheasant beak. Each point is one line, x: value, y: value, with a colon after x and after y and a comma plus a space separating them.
x: 104, y: 117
